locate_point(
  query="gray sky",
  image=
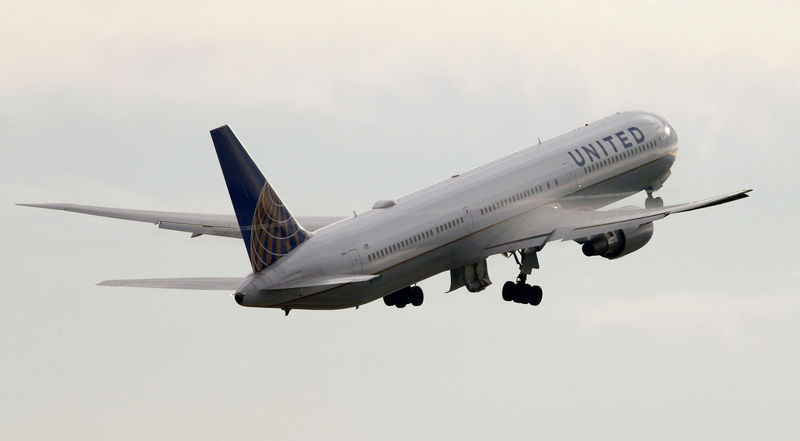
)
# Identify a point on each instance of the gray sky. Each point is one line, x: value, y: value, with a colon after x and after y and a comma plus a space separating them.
x: 693, y: 337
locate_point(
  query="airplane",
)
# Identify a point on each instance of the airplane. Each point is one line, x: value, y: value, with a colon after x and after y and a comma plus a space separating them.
x: 514, y: 206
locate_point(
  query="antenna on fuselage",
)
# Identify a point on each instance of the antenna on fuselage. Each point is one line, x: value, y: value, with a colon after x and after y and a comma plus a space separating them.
x: 540, y: 140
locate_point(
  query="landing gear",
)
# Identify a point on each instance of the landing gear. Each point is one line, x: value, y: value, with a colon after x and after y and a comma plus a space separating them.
x: 652, y: 202
x: 401, y: 298
x: 521, y: 292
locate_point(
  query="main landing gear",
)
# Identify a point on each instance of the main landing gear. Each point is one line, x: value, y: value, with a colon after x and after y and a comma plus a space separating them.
x: 521, y: 292
x: 401, y: 298
x: 652, y: 202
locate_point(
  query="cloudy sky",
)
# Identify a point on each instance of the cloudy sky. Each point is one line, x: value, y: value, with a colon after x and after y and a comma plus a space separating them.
x: 693, y: 337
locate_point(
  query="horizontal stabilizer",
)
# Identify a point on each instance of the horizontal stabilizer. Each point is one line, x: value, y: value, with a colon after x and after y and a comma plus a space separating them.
x: 196, y: 283
x: 312, y: 281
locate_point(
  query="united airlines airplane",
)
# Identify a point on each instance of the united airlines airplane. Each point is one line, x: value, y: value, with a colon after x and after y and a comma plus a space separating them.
x: 513, y: 206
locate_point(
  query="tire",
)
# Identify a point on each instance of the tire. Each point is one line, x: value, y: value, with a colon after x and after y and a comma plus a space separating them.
x: 519, y: 293
x: 401, y: 304
x: 536, y: 295
x: 525, y: 294
x: 388, y: 300
x: 417, y: 296
x: 508, y: 291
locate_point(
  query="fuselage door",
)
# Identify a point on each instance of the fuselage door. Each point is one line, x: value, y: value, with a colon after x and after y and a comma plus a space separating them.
x: 355, y: 261
x: 569, y: 175
x: 468, y: 219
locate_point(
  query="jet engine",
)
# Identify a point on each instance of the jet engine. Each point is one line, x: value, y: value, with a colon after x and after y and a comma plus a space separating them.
x: 618, y: 243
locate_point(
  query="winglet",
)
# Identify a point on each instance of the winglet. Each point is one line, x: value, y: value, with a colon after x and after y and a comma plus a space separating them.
x: 722, y: 200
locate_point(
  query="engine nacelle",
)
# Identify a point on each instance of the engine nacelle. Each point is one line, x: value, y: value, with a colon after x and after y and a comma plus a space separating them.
x: 615, y: 244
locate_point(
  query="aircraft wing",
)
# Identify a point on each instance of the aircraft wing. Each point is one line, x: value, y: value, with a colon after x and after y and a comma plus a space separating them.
x: 550, y: 223
x: 224, y: 225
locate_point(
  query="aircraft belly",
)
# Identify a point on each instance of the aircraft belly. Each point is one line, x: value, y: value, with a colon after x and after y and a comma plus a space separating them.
x: 393, y: 279
x: 622, y: 185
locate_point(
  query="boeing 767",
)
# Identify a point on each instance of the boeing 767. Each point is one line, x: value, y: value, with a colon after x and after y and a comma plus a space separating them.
x: 552, y: 191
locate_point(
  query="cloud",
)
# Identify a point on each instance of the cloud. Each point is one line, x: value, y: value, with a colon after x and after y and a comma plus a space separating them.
x: 731, y: 322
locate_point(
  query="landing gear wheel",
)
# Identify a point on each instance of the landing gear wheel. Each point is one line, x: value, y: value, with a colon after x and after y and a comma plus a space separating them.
x: 536, y: 295
x: 508, y: 291
x: 416, y: 296
x: 388, y: 300
x: 521, y: 293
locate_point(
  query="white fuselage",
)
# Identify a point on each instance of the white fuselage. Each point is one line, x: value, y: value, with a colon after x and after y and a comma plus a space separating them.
x: 454, y: 222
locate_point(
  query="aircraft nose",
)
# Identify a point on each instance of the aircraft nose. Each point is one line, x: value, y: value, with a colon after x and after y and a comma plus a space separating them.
x: 669, y: 132
x: 239, y: 297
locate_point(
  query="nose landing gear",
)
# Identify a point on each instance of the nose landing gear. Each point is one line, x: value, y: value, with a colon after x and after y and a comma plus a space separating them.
x: 652, y: 202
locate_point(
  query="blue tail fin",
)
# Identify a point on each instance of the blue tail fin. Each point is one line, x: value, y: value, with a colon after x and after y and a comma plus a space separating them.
x: 268, y: 229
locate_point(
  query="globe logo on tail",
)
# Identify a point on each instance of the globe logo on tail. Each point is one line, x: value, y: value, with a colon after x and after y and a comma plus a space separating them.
x: 274, y: 231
